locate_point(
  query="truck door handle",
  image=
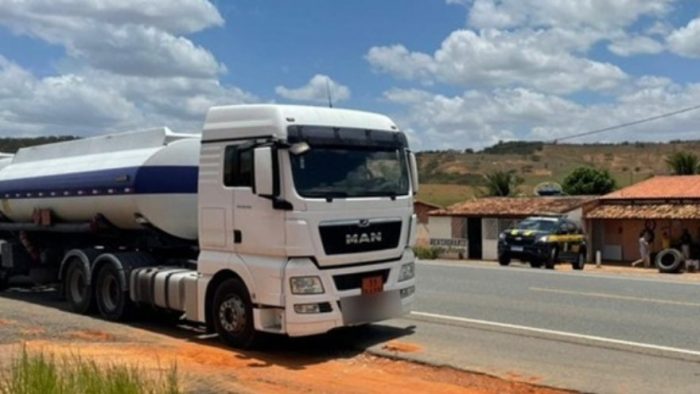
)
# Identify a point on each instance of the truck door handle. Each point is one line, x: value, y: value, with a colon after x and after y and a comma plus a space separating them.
x: 237, y: 236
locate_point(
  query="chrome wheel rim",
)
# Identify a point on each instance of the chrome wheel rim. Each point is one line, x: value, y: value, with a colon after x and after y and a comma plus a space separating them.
x: 232, y: 314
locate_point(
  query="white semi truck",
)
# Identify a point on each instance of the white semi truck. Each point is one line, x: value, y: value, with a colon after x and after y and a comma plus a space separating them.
x: 281, y: 219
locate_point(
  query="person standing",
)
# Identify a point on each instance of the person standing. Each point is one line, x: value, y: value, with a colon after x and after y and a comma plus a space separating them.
x: 644, y: 252
x: 685, y: 243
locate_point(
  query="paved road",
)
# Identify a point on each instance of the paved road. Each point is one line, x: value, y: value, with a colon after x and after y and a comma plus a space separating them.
x: 588, y: 332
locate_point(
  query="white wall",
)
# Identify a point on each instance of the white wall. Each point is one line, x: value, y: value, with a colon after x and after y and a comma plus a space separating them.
x: 489, y: 233
x: 440, y: 227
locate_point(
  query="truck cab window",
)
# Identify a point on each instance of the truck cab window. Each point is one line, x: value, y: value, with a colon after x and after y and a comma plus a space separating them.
x: 238, y: 167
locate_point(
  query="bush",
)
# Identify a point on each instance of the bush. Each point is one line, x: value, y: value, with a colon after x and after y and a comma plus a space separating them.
x: 43, y: 374
x: 588, y: 181
x: 427, y: 252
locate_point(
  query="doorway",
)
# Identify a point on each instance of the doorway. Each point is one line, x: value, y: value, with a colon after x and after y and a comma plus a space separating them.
x: 474, y: 238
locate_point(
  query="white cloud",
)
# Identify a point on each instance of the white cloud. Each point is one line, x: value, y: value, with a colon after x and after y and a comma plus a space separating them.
x: 132, y: 37
x: 130, y: 67
x: 598, y: 14
x: 686, y: 40
x: 316, y: 90
x: 480, y: 118
x: 493, y: 58
x: 635, y: 45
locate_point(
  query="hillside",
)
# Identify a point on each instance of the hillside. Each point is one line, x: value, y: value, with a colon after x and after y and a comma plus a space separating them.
x: 451, y: 176
x: 11, y: 145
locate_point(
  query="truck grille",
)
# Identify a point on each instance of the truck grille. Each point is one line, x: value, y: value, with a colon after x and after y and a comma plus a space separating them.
x: 354, y: 281
x: 358, y: 237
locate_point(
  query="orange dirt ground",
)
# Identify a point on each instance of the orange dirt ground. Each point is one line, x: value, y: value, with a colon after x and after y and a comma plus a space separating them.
x: 206, y: 368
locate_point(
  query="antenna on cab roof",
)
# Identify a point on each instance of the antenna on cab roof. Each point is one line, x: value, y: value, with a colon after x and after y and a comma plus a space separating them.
x: 328, y: 92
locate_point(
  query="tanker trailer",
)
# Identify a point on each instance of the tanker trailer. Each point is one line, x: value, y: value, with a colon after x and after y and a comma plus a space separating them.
x: 279, y: 219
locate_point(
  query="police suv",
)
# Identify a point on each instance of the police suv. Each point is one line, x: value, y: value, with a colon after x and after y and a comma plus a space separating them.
x: 543, y: 241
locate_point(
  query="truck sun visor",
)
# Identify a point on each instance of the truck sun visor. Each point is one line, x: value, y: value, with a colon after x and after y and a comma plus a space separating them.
x: 334, y: 136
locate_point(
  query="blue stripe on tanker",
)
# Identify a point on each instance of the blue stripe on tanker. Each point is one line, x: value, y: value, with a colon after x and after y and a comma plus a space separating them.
x: 130, y: 180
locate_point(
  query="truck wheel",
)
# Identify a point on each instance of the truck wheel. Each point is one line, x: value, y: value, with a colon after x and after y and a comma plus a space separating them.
x: 580, y: 262
x: 504, y: 259
x: 233, y: 315
x: 76, y: 288
x: 113, y: 302
x: 536, y: 263
x: 551, y: 259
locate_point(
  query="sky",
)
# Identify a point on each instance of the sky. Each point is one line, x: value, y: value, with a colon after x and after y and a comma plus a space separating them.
x: 453, y: 74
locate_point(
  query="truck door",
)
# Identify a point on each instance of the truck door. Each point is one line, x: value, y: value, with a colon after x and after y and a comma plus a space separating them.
x: 258, y: 228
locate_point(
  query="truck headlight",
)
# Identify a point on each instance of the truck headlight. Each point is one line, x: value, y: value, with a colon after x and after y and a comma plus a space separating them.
x: 408, y: 271
x: 306, y: 285
x: 543, y: 239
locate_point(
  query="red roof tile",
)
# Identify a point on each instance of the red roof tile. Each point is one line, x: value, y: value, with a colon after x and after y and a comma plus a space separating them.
x: 645, y: 211
x: 514, y: 206
x: 660, y: 187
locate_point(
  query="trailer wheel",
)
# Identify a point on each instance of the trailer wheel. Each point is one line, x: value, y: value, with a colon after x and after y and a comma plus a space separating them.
x: 76, y: 288
x: 669, y: 261
x: 504, y: 259
x: 551, y: 260
x: 112, y: 301
x: 233, y: 314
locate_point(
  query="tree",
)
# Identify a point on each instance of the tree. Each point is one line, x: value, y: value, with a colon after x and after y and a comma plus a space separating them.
x: 588, y: 181
x: 683, y: 163
x: 502, y: 183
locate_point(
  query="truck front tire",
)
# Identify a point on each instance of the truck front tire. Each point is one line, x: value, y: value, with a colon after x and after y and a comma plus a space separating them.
x: 232, y: 314
x: 76, y: 288
x: 112, y: 301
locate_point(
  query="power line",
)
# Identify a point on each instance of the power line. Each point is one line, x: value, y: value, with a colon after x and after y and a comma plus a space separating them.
x: 636, y: 122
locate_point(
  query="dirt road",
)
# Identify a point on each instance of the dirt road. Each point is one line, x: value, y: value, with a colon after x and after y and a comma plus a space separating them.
x: 329, y: 363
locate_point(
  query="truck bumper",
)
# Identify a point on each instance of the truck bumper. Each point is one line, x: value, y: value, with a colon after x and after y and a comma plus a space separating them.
x: 343, y: 304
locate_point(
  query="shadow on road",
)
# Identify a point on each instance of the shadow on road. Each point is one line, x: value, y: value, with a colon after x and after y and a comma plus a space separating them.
x: 292, y: 353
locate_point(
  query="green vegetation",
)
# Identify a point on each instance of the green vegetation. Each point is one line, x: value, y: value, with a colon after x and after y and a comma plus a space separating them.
x: 43, y: 374
x: 514, y: 147
x: 588, y: 181
x: 683, y: 163
x: 452, y: 176
x: 427, y: 252
x: 11, y: 145
x: 502, y: 183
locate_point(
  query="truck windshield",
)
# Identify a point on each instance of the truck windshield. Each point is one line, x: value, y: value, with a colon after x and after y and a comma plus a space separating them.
x: 330, y: 172
x: 538, y: 225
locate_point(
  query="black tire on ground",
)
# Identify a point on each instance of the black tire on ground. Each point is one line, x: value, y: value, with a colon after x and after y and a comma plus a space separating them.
x: 112, y: 301
x: 503, y: 259
x: 669, y: 261
x: 580, y: 262
x: 76, y: 289
x: 536, y: 263
x: 3, y: 281
x: 232, y: 315
x: 551, y: 260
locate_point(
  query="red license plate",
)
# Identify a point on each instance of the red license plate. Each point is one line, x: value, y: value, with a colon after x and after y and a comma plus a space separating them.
x: 372, y: 285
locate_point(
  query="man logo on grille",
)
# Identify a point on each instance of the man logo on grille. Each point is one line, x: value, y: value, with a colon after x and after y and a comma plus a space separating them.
x: 363, y: 238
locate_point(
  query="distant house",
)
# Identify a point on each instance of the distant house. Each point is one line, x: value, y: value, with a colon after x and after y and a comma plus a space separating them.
x: 479, y: 221
x: 663, y: 204
x: 422, y: 210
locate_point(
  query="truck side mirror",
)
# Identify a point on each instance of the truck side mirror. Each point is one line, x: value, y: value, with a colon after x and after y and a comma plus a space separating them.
x: 264, y: 179
x: 414, y: 171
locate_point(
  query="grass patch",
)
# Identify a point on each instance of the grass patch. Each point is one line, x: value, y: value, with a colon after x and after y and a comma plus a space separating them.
x: 39, y: 373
